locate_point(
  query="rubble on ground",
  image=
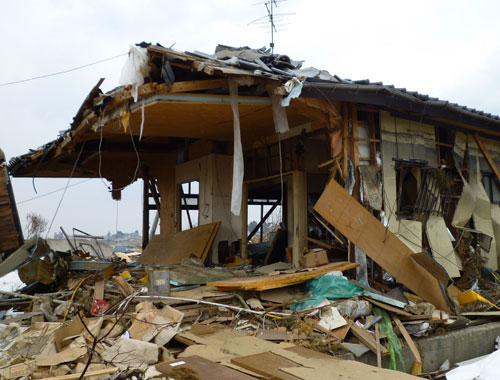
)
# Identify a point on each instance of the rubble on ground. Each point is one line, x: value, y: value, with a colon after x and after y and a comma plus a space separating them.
x: 119, y: 319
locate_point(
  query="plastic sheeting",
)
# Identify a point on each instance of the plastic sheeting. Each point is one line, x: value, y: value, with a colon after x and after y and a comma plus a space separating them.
x: 135, y: 69
x: 329, y: 287
x: 396, y: 361
x: 238, y: 166
x: 294, y: 88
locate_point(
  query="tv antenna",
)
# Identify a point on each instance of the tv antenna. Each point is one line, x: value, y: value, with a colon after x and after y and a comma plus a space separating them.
x: 275, y: 20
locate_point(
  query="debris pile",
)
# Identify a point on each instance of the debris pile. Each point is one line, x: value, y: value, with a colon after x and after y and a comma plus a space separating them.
x: 118, y: 318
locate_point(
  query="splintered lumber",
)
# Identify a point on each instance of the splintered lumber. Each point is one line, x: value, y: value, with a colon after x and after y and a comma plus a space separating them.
x: 363, y: 229
x: 200, y: 368
x: 260, y: 283
x: 367, y: 339
x: 417, y: 365
x: 173, y: 248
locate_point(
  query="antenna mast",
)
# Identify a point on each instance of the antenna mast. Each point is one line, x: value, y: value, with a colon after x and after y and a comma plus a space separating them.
x: 269, y: 7
x: 276, y: 20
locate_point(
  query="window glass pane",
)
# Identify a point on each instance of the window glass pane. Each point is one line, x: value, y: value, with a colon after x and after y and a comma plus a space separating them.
x: 495, y: 198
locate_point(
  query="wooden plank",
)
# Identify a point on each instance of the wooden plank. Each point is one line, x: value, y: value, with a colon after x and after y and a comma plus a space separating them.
x: 259, y: 283
x: 201, y: 369
x: 377, y: 341
x: 123, y: 286
x: 171, y: 249
x: 320, y: 243
x: 487, y: 155
x: 267, y: 364
x: 367, y: 339
x: 357, y: 224
x: 417, y: 365
x: 197, y: 85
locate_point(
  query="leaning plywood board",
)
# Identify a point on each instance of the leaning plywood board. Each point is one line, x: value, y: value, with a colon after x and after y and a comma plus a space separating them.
x: 259, y: 283
x: 441, y: 245
x: 172, y: 249
x: 364, y: 230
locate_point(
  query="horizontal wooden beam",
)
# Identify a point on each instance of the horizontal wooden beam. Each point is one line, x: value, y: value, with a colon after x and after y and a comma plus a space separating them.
x: 198, y: 85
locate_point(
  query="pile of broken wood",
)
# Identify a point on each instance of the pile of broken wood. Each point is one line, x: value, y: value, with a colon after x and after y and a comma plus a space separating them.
x: 240, y: 326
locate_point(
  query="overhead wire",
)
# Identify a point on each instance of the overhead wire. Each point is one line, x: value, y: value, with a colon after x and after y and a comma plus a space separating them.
x: 64, y: 192
x: 53, y: 192
x: 61, y: 72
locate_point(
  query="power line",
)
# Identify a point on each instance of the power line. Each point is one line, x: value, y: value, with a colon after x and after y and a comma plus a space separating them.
x: 53, y: 192
x: 61, y: 72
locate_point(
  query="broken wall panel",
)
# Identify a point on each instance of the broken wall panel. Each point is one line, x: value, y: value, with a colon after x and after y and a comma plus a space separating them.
x: 11, y: 234
x: 441, y: 245
x: 482, y: 217
x: 364, y: 230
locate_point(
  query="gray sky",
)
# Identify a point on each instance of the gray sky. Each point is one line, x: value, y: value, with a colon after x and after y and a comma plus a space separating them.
x: 449, y: 49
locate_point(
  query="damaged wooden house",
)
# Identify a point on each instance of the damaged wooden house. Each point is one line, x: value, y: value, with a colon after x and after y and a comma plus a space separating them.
x: 404, y: 184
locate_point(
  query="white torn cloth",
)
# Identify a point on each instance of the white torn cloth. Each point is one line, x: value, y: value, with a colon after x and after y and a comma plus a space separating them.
x: 238, y: 166
x: 135, y: 69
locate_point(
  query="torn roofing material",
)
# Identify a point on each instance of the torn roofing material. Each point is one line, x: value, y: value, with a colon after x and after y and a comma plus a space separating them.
x: 180, y: 83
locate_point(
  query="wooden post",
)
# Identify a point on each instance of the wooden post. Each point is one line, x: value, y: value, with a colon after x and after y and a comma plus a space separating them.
x: 145, y: 214
x: 299, y: 179
x: 168, y: 200
x: 244, y: 222
x: 345, y: 117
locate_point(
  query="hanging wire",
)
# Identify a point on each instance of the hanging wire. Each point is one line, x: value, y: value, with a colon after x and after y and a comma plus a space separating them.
x: 64, y: 192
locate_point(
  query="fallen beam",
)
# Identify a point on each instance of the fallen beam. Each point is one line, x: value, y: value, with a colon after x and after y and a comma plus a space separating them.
x: 358, y: 225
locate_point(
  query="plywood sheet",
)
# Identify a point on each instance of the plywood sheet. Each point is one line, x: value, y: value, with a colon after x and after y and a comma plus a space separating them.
x: 171, y: 249
x: 266, y: 364
x: 441, y: 245
x: 280, y: 280
x: 363, y: 229
x: 203, y: 369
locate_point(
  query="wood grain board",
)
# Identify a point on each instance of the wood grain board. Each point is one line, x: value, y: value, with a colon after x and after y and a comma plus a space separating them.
x: 267, y: 364
x: 171, y: 249
x: 363, y: 229
x: 259, y: 283
x: 204, y: 369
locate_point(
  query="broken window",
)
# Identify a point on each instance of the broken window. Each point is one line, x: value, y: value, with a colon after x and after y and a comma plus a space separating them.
x: 419, y: 188
x: 492, y: 187
x: 189, y: 198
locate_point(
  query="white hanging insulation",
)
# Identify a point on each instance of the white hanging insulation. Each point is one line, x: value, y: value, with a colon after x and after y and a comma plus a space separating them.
x: 238, y: 167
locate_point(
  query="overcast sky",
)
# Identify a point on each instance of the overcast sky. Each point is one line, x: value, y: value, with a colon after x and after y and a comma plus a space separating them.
x: 448, y: 49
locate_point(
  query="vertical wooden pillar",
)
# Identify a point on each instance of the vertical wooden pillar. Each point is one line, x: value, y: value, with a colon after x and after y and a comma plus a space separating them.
x: 299, y: 179
x: 244, y: 222
x: 145, y: 214
x: 168, y: 208
x: 345, y: 118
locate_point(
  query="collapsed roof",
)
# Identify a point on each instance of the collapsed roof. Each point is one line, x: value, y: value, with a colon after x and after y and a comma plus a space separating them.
x: 186, y: 96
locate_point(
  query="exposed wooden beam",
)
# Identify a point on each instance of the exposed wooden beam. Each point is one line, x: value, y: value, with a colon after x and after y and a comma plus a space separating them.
x: 487, y: 155
x: 197, y: 85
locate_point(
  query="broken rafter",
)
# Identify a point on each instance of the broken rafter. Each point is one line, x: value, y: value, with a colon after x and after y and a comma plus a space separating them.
x: 487, y: 155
